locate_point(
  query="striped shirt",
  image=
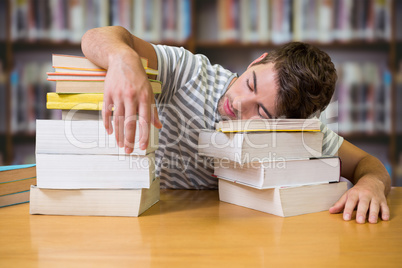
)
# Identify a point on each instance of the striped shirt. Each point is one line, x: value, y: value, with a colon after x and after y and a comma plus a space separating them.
x: 188, y: 103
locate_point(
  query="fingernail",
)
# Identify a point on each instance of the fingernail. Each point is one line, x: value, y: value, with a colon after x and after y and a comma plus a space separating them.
x: 346, y: 217
x: 128, y: 150
x: 385, y: 217
x: 142, y: 146
x: 373, y: 219
x: 361, y: 219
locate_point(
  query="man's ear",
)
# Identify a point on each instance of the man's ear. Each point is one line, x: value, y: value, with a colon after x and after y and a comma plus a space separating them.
x: 258, y: 60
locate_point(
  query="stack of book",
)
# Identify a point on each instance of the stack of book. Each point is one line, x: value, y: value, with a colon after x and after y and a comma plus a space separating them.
x: 80, y: 168
x: 15, y: 182
x: 76, y: 74
x: 273, y: 165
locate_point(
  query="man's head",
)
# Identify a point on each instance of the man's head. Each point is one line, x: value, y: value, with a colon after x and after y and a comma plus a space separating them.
x: 293, y: 81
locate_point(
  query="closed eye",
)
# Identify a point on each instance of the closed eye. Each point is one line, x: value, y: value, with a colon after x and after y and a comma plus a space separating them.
x: 248, y: 85
x: 258, y: 106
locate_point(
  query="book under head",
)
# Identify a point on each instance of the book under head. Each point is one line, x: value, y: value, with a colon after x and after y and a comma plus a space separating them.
x: 282, y: 124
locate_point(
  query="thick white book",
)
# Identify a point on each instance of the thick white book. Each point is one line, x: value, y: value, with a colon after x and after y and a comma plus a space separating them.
x: 283, y: 201
x: 93, y: 202
x: 81, y: 115
x: 246, y: 147
x: 75, y: 171
x: 257, y: 125
x: 280, y: 172
x: 84, y: 137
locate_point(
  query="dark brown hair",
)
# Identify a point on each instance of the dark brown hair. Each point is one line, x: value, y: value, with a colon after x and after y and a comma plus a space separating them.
x: 306, y: 79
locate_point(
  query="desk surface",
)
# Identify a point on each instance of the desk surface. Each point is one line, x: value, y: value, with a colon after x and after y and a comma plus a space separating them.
x: 194, y: 229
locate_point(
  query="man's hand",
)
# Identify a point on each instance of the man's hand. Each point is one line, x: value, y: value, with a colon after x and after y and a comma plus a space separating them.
x: 129, y: 93
x: 127, y: 89
x: 369, y: 198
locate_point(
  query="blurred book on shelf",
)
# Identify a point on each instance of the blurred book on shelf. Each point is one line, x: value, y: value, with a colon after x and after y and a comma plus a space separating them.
x: 174, y: 20
x: 362, y: 100
x: 281, y: 21
x: 3, y: 21
x: 320, y: 21
x: 28, y: 95
x: 398, y: 7
x: 398, y: 82
x: 68, y: 20
x: 120, y: 13
x: 3, y: 100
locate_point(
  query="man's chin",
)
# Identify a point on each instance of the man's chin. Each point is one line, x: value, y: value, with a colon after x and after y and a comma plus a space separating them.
x: 225, y: 118
x: 221, y: 111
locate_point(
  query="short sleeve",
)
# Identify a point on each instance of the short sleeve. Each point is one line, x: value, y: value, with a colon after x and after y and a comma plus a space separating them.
x: 176, y: 66
x: 331, y: 141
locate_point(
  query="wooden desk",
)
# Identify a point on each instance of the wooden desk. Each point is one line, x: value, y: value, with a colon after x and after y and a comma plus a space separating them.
x: 194, y: 229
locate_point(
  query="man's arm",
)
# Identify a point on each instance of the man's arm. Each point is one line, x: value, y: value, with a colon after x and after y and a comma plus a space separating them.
x: 372, y: 184
x: 127, y: 89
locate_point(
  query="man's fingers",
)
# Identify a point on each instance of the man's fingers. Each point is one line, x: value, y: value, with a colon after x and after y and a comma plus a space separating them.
x: 107, y: 115
x: 155, y: 116
x: 144, y: 124
x: 130, y: 125
x: 384, y: 211
x: 374, y: 210
x: 362, y: 208
x: 119, y: 123
x: 339, y: 205
x: 349, y: 206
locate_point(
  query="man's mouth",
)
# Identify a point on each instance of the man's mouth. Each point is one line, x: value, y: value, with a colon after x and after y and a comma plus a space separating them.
x: 228, y: 108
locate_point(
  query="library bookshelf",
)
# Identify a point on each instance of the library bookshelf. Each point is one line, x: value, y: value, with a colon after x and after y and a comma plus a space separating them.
x: 221, y: 29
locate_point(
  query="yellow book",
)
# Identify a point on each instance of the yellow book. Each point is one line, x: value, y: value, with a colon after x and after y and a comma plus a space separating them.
x: 82, y: 101
x: 69, y: 99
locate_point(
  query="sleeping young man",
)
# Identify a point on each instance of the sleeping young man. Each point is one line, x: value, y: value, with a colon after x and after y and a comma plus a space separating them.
x: 296, y: 80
